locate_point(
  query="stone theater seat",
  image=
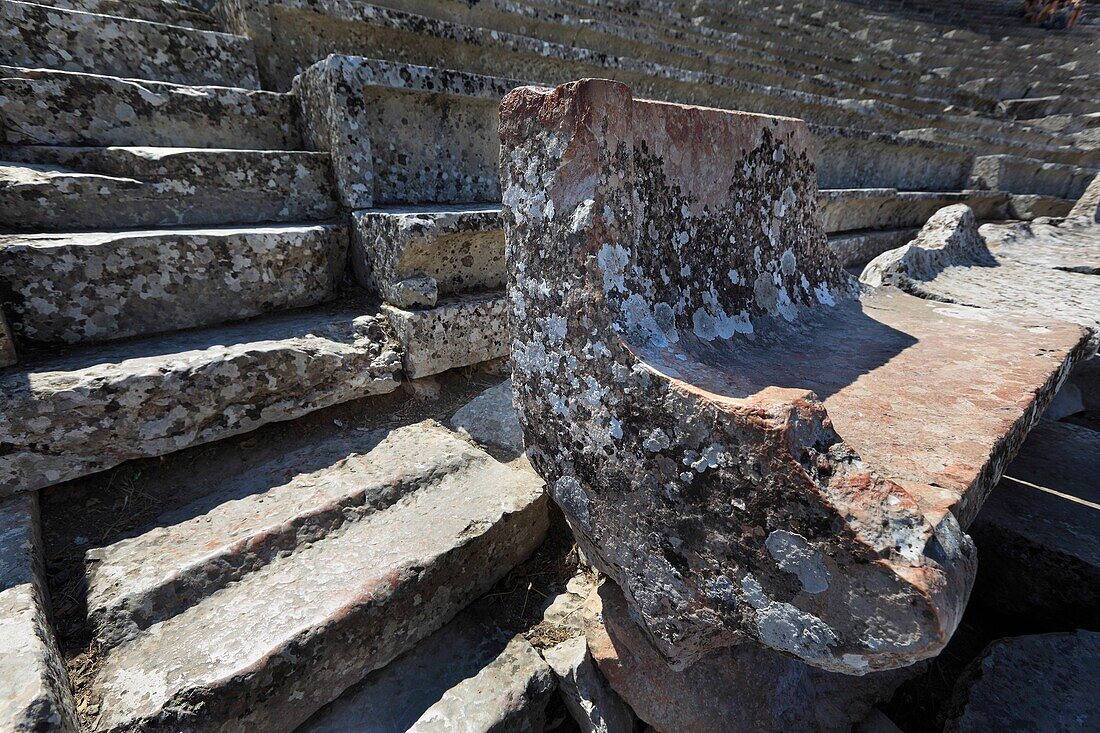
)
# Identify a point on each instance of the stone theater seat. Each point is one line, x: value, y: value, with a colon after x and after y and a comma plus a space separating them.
x: 747, y: 443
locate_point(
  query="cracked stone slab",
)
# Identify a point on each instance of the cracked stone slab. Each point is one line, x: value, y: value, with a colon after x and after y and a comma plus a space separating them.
x: 468, y: 677
x: 414, y: 256
x: 950, y: 261
x: 403, y: 134
x: 455, y: 333
x: 887, y: 208
x: 691, y: 363
x: 39, y: 36
x: 745, y: 688
x: 49, y: 188
x: 490, y: 419
x: 47, y: 107
x: 34, y: 686
x: 104, y: 286
x: 96, y: 407
x: 1044, y: 682
x: 1038, y: 535
x: 270, y: 649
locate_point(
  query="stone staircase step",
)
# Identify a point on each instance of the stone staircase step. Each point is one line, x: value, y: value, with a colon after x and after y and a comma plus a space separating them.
x: 77, y: 413
x: 468, y: 676
x: 111, y: 285
x: 46, y: 107
x: 846, y: 209
x: 456, y: 332
x: 413, y: 256
x: 34, y: 686
x: 48, y: 188
x: 268, y: 650
x: 41, y: 36
x: 170, y: 12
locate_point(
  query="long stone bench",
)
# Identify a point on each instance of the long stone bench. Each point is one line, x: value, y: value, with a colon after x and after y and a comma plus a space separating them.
x: 1030, y: 176
x: 734, y: 487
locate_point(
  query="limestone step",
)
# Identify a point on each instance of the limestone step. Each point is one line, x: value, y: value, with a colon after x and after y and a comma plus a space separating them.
x: 468, y: 676
x: 427, y: 524
x: 857, y: 248
x: 34, y: 686
x: 110, y: 285
x: 45, y: 107
x: 49, y: 188
x: 1029, y: 176
x: 41, y: 36
x: 412, y: 256
x: 171, y: 12
x: 846, y: 209
x: 77, y: 413
x: 456, y: 332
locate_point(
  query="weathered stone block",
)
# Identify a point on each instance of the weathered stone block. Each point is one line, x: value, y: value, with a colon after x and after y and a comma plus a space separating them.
x: 412, y: 257
x: 694, y: 374
x: 45, y: 107
x: 38, y: 36
x: 490, y: 419
x: 104, y: 286
x: 886, y: 208
x: 455, y: 333
x: 403, y: 134
x: 1028, y: 176
x: 34, y: 686
x: 742, y: 689
x: 93, y: 409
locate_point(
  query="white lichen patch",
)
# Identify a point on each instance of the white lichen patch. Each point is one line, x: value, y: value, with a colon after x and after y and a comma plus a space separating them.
x: 794, y: 554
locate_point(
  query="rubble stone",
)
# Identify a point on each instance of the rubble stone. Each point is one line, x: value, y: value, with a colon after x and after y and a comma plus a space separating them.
x: 741, y: 689
x: 695, y: 465
x: 34, y: 686
x: 490, y: 419
x: 1045, y: 682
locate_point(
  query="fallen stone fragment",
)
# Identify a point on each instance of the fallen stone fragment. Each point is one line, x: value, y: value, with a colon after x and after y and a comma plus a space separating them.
x: 457, y: 332
x: 1037, y: 535
x: 34, y: 686
x: 747, y: 445
x: 490, y: 419
x: 741, y: 689
x: 468, y: 677
x: 1030, y: 684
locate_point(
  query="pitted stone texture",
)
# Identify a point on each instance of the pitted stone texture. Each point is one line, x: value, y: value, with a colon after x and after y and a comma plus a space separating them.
x: 455, y: 333
x: 38, y: 36
x: 886, y: 208
x: 862, y: 246
x: 1028, y: 176
x: 1037, y: 535
x: 743, y: 689
x: 34, y: 687
x: 1044, y: 683
x: 103, y: 286
x: 414, y: 256
x: 490, y: 419
x: 468, y: 677
x: 403, y: 134
x: 44, y: 107
x: 8, y: 355
x: 950, y: 261
x: 269, y: 650
x: 696, y: 467
x: 95, y: 408
x: 47, y: 188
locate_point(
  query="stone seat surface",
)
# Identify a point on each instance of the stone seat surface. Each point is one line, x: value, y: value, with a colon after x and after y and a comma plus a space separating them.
x: 428, y: 524
x: 107, y: 44
x: 746, y: 444
x: 50, y: 188
x: 80, y: 412
x: 170, y: 12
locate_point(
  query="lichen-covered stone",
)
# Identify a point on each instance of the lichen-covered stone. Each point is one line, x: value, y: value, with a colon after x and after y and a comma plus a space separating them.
x: 402, y: 134
x: 34, y: 686
x: 412, y: 257
x: 87, y: 189
x: 467, y: 677
x: 48, y: 107
x: 8, y: 355
x: 694, y: 374
x: 1031, y: 684
x: 1038, y: 541
x: 103, y: 286
x: 38, y: 36
x: 490, y: 419
x: 93, y: 409
x: 742, y: 689
x: 455, y: 333
x: 268, y: 650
